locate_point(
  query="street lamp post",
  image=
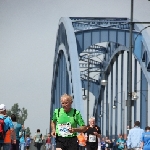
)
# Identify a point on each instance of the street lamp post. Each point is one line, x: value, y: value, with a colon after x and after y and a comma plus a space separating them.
x: 88, y: 89
x: 88, y: 60
x: 107, y: 126
x: 129, y: 97
x: 129, y: 106
x: 84, y: 95
x: 103, y: 82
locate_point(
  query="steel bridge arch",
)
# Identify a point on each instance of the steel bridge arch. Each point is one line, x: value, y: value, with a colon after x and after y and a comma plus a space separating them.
x: 66, y: 43
x: 76, y: 35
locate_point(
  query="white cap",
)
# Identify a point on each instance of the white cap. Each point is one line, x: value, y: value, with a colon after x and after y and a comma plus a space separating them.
x: 2, y: 107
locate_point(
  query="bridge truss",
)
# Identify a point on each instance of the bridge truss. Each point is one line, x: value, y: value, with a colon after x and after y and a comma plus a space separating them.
x: 106, y: 42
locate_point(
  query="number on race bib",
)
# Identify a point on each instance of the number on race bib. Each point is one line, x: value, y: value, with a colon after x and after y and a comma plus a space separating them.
x: 92, y: 138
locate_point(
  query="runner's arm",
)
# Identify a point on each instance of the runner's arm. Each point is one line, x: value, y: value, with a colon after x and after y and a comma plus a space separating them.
x: 53, y: 127
x: 79, y: 129
x: 80, y: 122
x: 97, y: 134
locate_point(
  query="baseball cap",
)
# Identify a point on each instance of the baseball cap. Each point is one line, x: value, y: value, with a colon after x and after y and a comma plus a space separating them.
x: 2, y: 107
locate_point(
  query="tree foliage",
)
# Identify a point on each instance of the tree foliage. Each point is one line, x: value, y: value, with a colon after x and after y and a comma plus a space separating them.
x: 21, y: 114
x: 28, y: 131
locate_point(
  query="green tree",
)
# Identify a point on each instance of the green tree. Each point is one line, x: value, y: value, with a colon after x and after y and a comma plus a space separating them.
x: 28, y: 131
x: 21, y: 114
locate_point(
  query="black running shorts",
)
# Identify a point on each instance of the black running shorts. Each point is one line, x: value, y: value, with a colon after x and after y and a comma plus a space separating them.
x: 92, y: 146
x: 67, y: 143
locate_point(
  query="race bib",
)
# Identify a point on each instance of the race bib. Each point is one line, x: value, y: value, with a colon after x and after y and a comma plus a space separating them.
x: 63, y: 129
x: 92, y: 138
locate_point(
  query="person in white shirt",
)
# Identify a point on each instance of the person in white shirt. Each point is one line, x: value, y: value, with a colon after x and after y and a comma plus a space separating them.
x: 134, y: 137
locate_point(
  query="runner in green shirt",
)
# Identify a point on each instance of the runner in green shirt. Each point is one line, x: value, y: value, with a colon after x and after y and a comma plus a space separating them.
x: 65, y: 124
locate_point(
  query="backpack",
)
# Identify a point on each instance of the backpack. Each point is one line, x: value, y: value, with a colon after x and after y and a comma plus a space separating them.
x: 22, y: 136
x: 38, y: 138
x: 2, y: 129
x: 73, y: 113
x: 28, y: 141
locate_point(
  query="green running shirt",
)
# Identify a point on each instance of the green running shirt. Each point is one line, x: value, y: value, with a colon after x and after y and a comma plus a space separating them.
x: 67, y: 120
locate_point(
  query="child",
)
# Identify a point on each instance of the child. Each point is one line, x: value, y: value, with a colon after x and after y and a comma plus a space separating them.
x: 28, y: 142
x: 48, y: 142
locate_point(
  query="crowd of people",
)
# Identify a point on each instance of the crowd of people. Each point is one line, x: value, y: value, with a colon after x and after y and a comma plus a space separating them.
x: 40, y: 140
x: 70, y: 133
x: 12, y: 133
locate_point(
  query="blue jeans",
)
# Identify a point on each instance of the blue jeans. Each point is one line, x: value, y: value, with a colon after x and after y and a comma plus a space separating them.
x: 48, y: 146
x: 6, y: 146
x: 22, y: 145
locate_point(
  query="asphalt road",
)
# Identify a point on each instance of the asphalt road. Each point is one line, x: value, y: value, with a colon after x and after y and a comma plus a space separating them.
x: 32, y: 147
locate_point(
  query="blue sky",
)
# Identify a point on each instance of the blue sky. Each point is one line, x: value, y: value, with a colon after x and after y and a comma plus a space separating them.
x: 28, y: 31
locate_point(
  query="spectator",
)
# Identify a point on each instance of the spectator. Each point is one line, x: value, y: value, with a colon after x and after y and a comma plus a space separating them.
x: 93, y: 133
x: 17, y: 127
x: 121, y: 143
x: 48, y: 142
x: 38, y: 139
x: 147, y: 129
x: 64, y: 125
x: 114, y: 144
x: 134, y: 136
x: 22, y: 135
x: 28, y: 142
x: 107, y: 142
x: 8, y: 129
x: 145, y: 144
x: 103, y: 144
